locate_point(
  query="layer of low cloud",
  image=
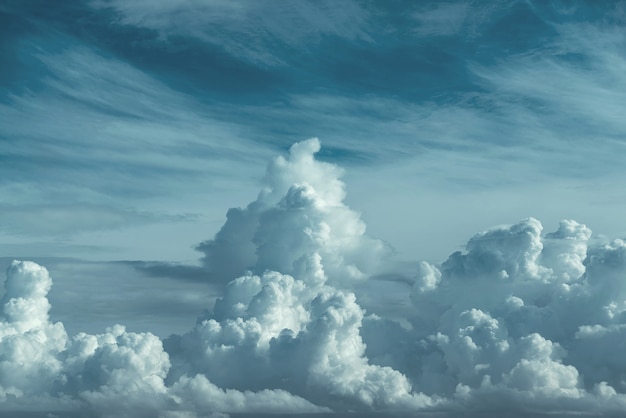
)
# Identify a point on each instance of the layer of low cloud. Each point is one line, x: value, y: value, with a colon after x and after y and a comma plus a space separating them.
x: 520, y: 320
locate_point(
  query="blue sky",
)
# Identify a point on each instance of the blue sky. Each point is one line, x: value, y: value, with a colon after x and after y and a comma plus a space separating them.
x: 128, y: 128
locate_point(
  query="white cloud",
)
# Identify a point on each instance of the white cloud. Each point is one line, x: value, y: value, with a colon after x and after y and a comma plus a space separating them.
x: 520, y: 316
x: 299, y: 214
x: 29, y: 343
x: 518, y: 313
x: 277, y: 333
x: 117, y: 373
x: 207, y: 397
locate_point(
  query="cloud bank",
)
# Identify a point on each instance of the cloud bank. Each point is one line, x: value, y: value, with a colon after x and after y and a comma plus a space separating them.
x: 521, y: 320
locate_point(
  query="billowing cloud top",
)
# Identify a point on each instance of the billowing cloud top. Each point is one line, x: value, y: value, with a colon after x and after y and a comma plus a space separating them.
x: 519, y: 321
x: 298, y: 216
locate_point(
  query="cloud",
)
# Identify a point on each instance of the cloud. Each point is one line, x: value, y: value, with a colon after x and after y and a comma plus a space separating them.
x: 54, y: 220
x: 207, y: 397
x: 276, y: 332
x: 570, y: 87
x: 117, y: 373
x: 246, y: 29
x: 123, y: 111
x: 299, y: 214
x: 444, y: 19
x: 29, y: 342
x: 521, y: 316
x: 98, y: 132
x: 518, y: 317
x: 157, y: 304
x: 515, y: 309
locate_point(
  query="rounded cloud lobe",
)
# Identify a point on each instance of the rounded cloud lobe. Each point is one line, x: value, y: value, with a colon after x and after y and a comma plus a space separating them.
x: 521, y: 317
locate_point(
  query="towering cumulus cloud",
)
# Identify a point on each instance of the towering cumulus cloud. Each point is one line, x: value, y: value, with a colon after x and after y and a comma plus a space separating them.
x: 298, y: 216
x: 521, y: 320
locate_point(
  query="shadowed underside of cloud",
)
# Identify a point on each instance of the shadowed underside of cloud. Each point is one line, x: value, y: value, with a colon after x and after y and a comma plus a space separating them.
x: 521, y: 321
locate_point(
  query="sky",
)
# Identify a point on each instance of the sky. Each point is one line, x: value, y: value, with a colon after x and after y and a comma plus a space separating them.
x: 221, y: 208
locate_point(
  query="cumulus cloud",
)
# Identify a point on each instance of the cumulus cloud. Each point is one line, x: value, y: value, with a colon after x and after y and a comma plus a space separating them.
x: 117, y: 373
x: 516, y: 313
x: 283, y: 333
x: 299, y: 213
x: 520, y: 317
x: 29, y: 343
